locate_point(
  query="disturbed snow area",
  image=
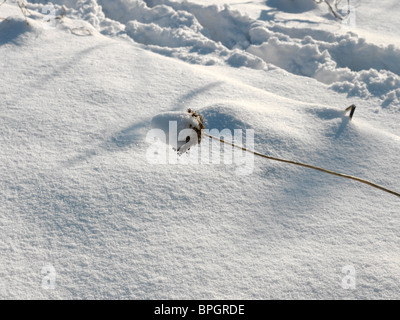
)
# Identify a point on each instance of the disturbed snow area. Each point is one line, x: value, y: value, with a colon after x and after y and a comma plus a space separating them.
x: 85, y: 213
x: 211, y: 34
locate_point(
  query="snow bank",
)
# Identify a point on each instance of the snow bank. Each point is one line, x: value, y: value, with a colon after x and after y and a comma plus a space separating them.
x: 348, y: 64
x: 80, y: 199
x: 213, y: 34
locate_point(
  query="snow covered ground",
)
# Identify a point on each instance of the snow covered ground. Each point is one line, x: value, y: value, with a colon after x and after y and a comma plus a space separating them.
x: 88, y: 212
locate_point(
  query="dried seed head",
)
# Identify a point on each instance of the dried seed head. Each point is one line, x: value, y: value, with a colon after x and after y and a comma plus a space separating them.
x: 200, y: 123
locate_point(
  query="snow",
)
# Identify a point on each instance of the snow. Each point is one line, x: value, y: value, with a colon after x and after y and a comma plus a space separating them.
x: 85, y: 213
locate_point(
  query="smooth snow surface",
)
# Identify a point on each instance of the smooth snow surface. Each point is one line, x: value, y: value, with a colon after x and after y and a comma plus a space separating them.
x: 86, y: 214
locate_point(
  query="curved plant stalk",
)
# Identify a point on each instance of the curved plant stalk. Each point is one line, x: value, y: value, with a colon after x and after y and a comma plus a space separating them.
x: 342, y: 175
x: 22, y: 6
x: 333, y: 7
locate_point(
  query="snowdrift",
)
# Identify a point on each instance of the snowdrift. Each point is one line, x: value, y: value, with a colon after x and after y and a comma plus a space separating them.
x: 84, y: 214
x: 220, y: 35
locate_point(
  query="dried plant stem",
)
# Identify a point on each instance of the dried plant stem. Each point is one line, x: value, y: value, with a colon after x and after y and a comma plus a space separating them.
x: 22, y: 6
x: 334, y: 8
x: 337, y: 16
x: 306, y: 166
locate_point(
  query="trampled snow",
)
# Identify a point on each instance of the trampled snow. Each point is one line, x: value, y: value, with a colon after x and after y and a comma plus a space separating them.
x: 84, y: 212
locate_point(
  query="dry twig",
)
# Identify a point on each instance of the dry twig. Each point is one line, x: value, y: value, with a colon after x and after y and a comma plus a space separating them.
x: 371, y: 184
